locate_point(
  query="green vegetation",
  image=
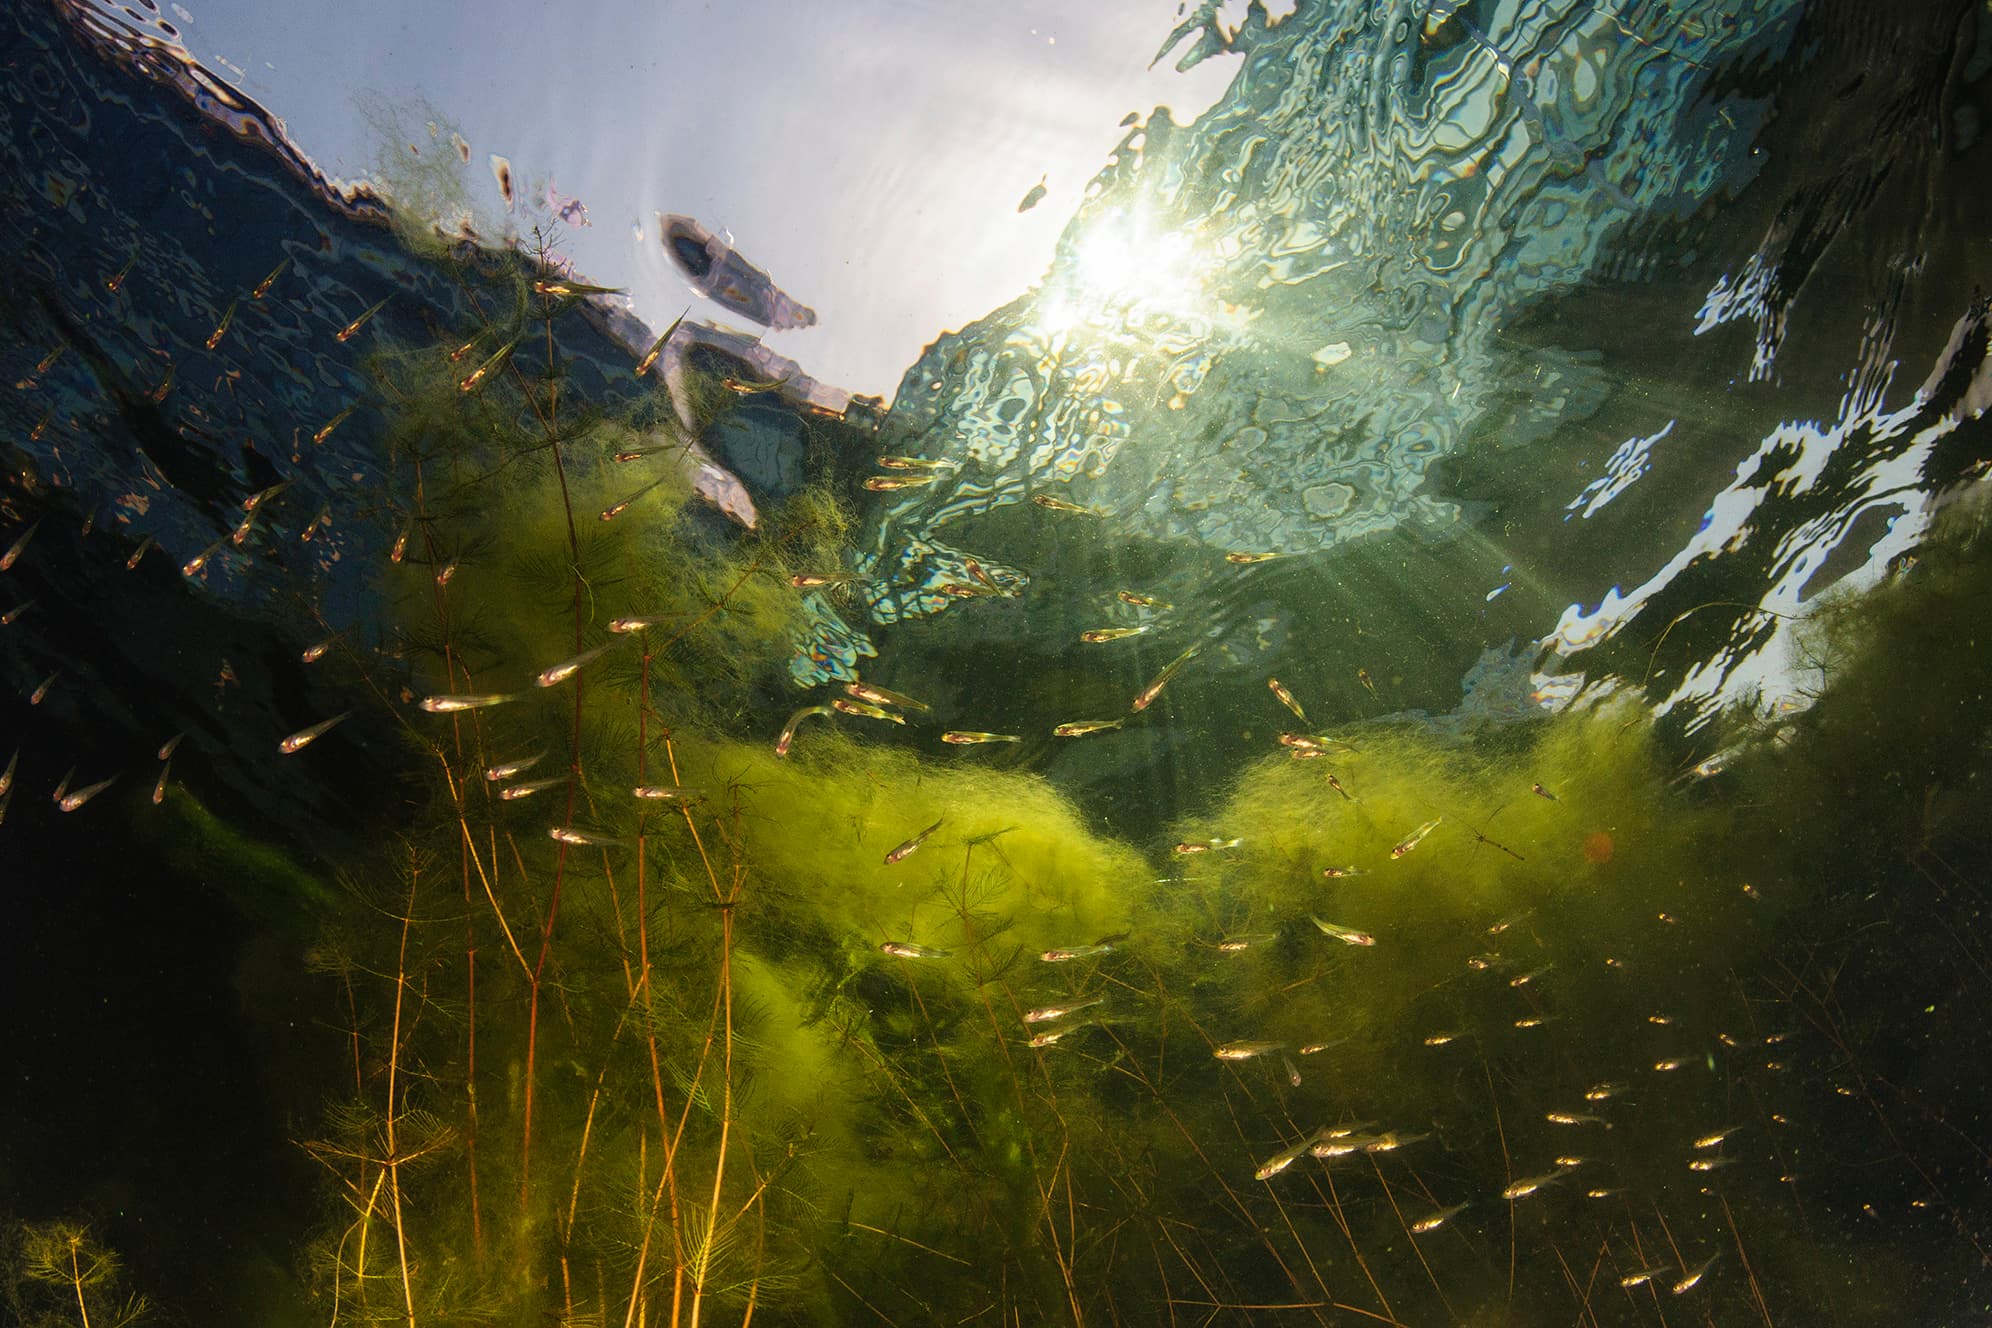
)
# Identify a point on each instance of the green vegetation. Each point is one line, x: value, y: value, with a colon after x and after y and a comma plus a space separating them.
x: 666, y: 1074
x: 53, y: 1273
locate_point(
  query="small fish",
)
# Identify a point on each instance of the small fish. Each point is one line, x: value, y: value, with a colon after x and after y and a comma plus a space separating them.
x: 906, y: 849
x: 1363, y: 677
x: 568, y: 834
x: 1390, y: 1141
x: 749, y: 386
x: 1662, y: 1019
x: 1051, y: 504
x: 1603, y: 1092
x: 40, y: 693
x: 1293, y: 1071
x: 812, y: 580
x: 489, y: 367
x: 1643, y: 1276
x: 1673, y: 1063
x: 1440, y: 1039
x: 1190, y: 846
x: 1046, y: 1013
x: 1246, y: 940
x: 666, y: 793
x: 325, y: 430
x: 1416, y: 837
x: 1709, y: 1163
x: 866, y: 710
x: 969, y: 737
x: 171, y: 745
x: 450, y: 705
x: 1283, y: 1159
x: 1523, y: 979
x: 1346, y: 935
x: 47, y: 361
x: 1533, y: 1021
x: 159, y: 789
x: 1436, y: 1220
x: 313, y: 653
x: 1248, y: 559
x: 657, y: 346
x: 1542, y: 792
x: 469, y: 346
x: 1340, y: 873
x: 560, y: 288
x: 69, y: 802
x: 7, y: 775
x: 446, y: 573
x: 981, y: 575
x: 400, y: 548
x: 7, y: 618
x: 1480, y: 963
x: 1144, y: 601
x: 116, y: 282
x: 324, y: 521
x: 508, y: 769
x: 1507, y: 922
x: 894, y: 483
x: 221, y: 328
x: 1148, y: 694
x: 908, y: 950
x: 1105, y: 945
x: 641, y: 623
x: 1079, y: 728
x: 1572, y: 1118
x: 1691, y: 1276
x: 876, y: 695
x: 1307, y: 753
x: 305, y: 737
x: 559, y: 673
x: 352, y: 329
x: 1714, y: 1140
x: 615, y: 510
x: 14, y: 550
x: 1245, y: 1051
x: 1314, y: 1048
x: 261, y: 496
x: 1336, y: 784
x: 263, y: 286
x: 144, y: 547
x: 1051, y: 1035
x: 513, y: 792
x: 1102, y: 635
x: 918, y: 463
x: 794, y: 721
x: 1286, y: 699
x: 1528, y: 1185
x: 1603, y: 1192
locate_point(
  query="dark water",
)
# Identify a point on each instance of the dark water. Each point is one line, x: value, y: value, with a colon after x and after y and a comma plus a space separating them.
x: 1577, y: 411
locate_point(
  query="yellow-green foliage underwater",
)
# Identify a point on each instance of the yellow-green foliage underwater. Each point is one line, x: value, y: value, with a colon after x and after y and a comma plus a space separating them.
x: 1545, y: 1026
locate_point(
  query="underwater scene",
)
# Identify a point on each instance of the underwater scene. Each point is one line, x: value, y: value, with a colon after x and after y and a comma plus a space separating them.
x: 1393, y: 733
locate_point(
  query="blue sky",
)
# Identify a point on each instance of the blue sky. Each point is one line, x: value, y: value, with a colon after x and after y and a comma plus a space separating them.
x: 869, y: 155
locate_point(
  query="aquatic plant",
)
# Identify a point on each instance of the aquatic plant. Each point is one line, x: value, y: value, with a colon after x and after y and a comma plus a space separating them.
x: 646, y: 1020
x: 56, y: 1273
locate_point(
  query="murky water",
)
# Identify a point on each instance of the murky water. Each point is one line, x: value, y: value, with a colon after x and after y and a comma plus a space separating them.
x: 1398, y: 740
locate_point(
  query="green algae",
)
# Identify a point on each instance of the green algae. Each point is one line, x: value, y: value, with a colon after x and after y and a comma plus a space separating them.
x: 670, y: 1072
